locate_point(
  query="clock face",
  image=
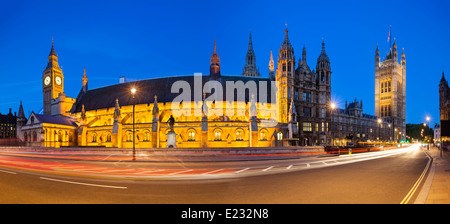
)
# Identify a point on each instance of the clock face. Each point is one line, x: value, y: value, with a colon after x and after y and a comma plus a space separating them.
x: 47, y: 80
x: 58, y: 80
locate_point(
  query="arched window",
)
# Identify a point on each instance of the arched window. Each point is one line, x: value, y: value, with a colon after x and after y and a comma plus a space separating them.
x: 94, y: 137
x: 191, y: 135
x: 263, y: 136
x: 25, y: 136
x: 34, y: 136
x: 129, y: 136
x: 217, y: 135
x: 108, y: 137
x: 239, y: 135
x: 279, y: 136
x: 146, y: 136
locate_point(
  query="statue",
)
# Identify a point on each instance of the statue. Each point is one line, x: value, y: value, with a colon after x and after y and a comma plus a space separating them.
x: 171, y: 122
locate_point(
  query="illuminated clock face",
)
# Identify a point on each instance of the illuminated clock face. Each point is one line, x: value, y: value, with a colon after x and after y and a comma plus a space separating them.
x: 58, y: 80
x: 47, y: 80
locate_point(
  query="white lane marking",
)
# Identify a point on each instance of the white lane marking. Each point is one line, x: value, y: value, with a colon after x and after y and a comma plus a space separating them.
x: 307, y: 165
x: 80, y: 183
x: 325, y: 163
x: 5, y: 171
x: 150, y: 171
x: 214, y: 171
x: 241, y: 170
x: 183, y: 171
x: 268, y: 168
x: 289, y: 167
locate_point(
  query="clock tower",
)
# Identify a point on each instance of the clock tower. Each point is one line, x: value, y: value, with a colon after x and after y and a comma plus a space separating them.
x: 52, y: 81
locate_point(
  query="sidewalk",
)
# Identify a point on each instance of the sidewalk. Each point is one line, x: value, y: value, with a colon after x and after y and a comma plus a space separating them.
x: 440, y: 188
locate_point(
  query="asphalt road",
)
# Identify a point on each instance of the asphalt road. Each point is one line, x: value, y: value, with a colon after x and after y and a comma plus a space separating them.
x: 324, y: 180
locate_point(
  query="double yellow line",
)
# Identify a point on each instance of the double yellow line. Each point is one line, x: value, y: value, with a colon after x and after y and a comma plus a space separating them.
x: 416, y: 185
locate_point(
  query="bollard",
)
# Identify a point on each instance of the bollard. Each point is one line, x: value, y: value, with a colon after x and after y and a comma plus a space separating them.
x: 349, y: 152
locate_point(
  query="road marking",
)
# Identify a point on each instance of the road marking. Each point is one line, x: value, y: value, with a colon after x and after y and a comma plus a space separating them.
x: 268, y: 168
x: 289, y: 167
x: 241, y: 170
x: 307, y: 165
x: 80, y: 183
x: 214, y: 171
x: 183, y: 171
x: 416, y: 185
x: 150, y: 171
x: 5, y: 171
x: 325, y: 163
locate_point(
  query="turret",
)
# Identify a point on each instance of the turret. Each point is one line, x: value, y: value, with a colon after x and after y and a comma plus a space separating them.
x: 84, y: 81
x: 271, y: 67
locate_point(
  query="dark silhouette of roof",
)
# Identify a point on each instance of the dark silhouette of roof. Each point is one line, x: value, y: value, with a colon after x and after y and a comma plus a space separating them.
x: 105, y: 97
x: 55, y: 120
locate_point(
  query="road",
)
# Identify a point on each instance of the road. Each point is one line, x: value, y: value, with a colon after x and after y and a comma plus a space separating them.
x: 376, y: 177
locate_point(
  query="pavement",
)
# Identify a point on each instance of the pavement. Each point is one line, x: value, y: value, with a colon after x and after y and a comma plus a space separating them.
x: 438, y: 179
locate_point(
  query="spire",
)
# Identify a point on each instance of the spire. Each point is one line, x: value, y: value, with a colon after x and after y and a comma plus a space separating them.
x: 155, y: 111
x: 250, y: 44
x: 214, y: 66
x: 52, y: 58
x: 52, y: 51
x: 271, y: 67
x: 250, y: 61
x: 84, y: 81
x: 304, y: 54
x: 116, y: 111
x: 286, y: 49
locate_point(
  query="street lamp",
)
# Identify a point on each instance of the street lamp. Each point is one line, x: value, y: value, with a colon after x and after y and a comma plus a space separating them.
x: 428, y: 123
x: 133, y: 92
x: 333, y: 106
x: 379, y: 129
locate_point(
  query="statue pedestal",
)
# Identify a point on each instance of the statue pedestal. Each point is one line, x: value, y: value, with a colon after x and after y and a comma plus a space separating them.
x: 171, y: 139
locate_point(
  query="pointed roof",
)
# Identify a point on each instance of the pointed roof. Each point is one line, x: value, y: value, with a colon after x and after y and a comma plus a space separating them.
x: 52, y: 51
x: 21, y: 114
x: 52, y: 58
x: 323, y: 54
x: 286, y: 43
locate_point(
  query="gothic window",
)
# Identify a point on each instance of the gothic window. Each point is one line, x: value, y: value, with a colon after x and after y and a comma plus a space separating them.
x: 94, y: 137
x: 108, y: 137
x: 279, y: 136
x: 34, y: 136
x: 191, y: 135
x: 382, y: 86
x: 239, y: 135
x: 307, y: 97
x: 217, y: 135
x: 307, y: 126
x: 306, y: 112
x: 263, y: 135
x: 129, y: 136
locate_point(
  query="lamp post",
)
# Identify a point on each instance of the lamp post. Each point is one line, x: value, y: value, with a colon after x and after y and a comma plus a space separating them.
x: 395, y: 135
x: 428, y: 123
x: 333, y: 106
x: 379, y: 129
x: 133, y: 92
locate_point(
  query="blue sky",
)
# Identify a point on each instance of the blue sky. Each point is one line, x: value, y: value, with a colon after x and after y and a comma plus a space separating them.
x: 145, y: 39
